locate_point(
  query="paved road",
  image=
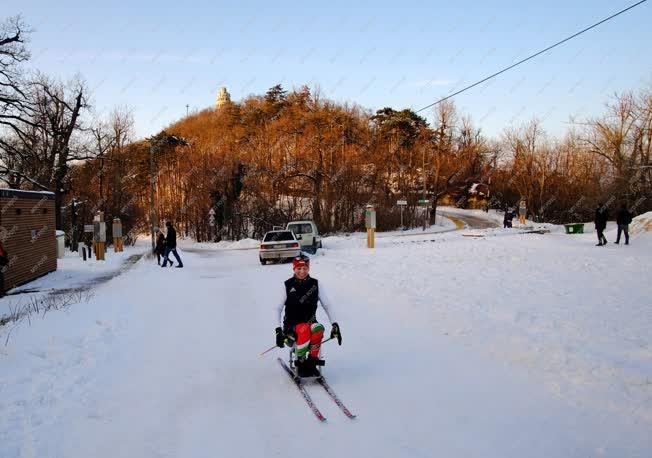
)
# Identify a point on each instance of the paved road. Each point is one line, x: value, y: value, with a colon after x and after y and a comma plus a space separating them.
x: 472, y: 221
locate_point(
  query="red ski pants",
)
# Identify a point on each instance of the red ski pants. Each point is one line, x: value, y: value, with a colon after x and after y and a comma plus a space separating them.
x: 309, y: 338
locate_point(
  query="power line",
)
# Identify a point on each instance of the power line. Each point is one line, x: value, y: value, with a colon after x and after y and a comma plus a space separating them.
x: 531, y: 57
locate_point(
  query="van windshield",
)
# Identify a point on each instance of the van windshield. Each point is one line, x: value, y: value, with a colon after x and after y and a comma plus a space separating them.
x: 301, y: 228
x: 278, y: 236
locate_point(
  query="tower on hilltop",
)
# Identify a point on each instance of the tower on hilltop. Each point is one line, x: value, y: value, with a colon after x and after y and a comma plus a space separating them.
x: 223, y: 97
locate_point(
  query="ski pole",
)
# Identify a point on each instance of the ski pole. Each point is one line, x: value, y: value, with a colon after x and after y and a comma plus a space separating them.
x: 266, y: 351
x: 330, y: 338
x: 274, y: 346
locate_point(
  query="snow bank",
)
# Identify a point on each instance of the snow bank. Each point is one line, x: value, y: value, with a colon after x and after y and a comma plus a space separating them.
x: 72, y: 273
x: 243, y: 244
x: 642, y: 223
x: 492, y: 214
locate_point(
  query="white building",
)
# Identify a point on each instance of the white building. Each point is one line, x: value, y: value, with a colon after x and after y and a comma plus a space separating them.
x: 222, y: 98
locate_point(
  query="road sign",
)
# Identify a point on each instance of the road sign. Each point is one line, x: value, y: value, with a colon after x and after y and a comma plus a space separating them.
x: 99, y: 231
x: 423, y: 202
x: 88, y: 228
x: 401, y: 202
x: 370, y: 217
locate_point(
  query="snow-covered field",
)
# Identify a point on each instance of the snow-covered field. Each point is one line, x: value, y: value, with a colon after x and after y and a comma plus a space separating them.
x: 507, y: 345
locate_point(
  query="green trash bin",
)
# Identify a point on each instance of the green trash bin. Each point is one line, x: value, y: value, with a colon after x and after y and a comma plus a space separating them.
x: 574, y: 228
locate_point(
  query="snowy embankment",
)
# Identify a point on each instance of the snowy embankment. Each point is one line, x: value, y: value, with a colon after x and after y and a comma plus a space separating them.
x: 442, y: 224
x: 72, y: 274
x: 510, y: 345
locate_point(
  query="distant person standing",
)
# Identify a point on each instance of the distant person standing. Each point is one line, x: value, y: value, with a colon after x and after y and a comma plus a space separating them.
x: 623, y: 219
x: 507, y: 219
x: 160, y: 246
x: 171, y: 246
x: 600, y: 220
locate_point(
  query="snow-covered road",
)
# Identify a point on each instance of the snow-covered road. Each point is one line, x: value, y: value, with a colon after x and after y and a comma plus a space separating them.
x: 505, y: 346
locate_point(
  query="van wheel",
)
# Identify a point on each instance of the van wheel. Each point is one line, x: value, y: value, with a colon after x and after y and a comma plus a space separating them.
x: 262, y: 261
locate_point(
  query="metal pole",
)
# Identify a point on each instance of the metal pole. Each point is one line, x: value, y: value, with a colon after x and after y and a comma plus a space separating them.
x: 402, y: 228
x: 152, y: 215
x: 423, y: 150
x: 73, y: 219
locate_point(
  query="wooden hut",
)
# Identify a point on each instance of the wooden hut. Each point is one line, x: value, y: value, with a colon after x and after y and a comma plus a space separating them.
x: 27, y: 225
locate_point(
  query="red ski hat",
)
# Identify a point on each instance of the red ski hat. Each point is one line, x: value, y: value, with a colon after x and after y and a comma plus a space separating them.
x: 300, y: 260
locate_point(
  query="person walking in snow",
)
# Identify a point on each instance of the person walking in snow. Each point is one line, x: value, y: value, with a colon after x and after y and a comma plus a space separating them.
x: 600, y: 221
x: 160, y: 246
x: 623, y: 218
x: 299, y: 324
x: 171, y: 246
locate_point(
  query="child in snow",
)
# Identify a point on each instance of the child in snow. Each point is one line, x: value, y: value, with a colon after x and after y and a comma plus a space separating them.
x: 300, y: 297
x: 160, y: 246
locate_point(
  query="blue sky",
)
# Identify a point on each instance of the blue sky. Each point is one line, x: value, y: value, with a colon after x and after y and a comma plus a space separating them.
x: 156, y: 57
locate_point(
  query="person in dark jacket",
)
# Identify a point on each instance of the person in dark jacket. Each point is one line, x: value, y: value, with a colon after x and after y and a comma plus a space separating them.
x: 160, y: 246
x: 623, y: 218
x: 171, y: 246
x: 507, y: 219
x: 600, y: 220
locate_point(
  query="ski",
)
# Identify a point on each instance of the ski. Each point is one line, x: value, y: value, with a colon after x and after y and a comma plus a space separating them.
x: 303, y: 391
x: 322, y: 381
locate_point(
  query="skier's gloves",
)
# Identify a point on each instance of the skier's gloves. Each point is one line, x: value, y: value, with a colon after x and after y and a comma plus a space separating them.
x: 280, y: 338
x: 335, y: 332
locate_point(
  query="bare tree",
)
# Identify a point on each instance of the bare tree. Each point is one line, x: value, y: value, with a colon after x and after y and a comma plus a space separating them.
x: 13, y: 52
x: 15, y: 107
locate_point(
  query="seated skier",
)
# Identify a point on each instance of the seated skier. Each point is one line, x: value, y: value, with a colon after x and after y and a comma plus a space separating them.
x: 300, y: 297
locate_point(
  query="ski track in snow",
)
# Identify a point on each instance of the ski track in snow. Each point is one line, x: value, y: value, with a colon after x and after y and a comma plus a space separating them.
x: 505, y: 346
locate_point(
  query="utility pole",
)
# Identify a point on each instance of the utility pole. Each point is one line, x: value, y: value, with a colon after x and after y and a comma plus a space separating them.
x: 423, y: 169
x: 187, y: 107
x: 73, y: 221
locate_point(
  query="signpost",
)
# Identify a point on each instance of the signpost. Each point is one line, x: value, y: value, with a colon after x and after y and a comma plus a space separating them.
x: 426, y: 203
x: 99, y: 236
x: 211, y: 223
x: 117, y: 235
x: 370, y: 224
x: 88, y: 229
x: 402, y: 204
x: 522, y: 211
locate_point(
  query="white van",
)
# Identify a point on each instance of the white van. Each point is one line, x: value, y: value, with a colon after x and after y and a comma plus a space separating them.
x: 307, y: 234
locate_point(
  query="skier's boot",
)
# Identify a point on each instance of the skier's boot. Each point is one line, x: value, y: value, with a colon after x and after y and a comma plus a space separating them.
x: 316, y: 361
x: 311, y: 364
x: 303, y: 368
